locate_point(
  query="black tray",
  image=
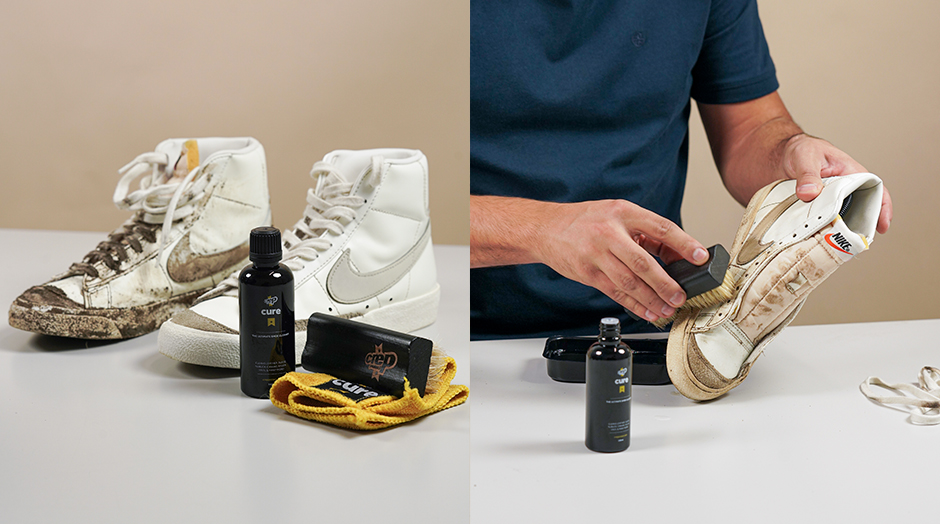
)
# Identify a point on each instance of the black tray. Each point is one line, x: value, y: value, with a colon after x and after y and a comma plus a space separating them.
x: 564, y: 358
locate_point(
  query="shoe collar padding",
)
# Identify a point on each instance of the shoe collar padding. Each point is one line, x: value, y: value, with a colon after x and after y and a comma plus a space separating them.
x: 354, y: 164
x: 208, y: 147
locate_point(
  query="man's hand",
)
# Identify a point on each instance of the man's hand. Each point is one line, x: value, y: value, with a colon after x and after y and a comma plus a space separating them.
x: 809, y: 159
x: 605, y: 244
x: 757, y: 142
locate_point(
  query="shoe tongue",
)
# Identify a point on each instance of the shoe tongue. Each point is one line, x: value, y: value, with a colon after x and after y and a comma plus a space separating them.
x: 350, y: 164
x: 183, y: 156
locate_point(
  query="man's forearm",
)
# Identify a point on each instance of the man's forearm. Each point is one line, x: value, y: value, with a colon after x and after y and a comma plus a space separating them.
x: 605, y: 244
x: 759, y: 159
x: 504, y: 230
x: 748, y: 141
x: 756, y: 142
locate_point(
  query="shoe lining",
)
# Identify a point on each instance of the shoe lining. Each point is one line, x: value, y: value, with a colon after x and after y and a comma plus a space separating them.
x: 861, y: 214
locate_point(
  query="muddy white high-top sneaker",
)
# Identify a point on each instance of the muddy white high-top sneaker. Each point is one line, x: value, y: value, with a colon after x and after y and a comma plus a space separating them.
x: 197, y: 202
x: 783, y: 250
x: 361, y: 251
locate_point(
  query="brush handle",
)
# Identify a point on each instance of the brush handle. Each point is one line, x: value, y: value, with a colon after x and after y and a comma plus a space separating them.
x: 696, y: 280
x: 369, y: 355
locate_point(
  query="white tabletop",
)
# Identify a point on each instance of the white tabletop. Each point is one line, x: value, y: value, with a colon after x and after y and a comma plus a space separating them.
x: 796, y: 442
x: 117, y: 432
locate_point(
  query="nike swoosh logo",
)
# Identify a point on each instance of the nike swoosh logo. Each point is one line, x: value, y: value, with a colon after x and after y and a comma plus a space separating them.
x: 833, y: 244
x: 348, y: 286
x: 753, y: 245
x: 184, y: 266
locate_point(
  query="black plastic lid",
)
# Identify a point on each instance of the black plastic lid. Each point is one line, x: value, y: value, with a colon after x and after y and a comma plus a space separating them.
x: 610, y: 327
x: 265, y: 245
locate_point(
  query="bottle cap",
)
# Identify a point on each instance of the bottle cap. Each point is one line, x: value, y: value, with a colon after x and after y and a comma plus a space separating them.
x: 264, y: 245
x: 610, y: 327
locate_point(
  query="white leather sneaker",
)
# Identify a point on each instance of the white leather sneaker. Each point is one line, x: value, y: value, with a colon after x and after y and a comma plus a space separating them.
x: 783, y: 250
x: 197, y: 202
x: 361, y: 251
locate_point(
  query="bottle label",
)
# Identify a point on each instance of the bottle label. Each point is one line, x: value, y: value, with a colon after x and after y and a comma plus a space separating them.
x: 266, y: 327
x: 272, y: 319
x: 269, y: 334
x: 608, y: 395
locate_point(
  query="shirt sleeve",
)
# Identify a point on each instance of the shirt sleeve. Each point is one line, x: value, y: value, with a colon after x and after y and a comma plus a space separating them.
x: 734, y: 64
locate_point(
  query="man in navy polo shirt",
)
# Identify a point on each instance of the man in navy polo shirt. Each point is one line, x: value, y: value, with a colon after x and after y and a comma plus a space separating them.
x: 579, y: 148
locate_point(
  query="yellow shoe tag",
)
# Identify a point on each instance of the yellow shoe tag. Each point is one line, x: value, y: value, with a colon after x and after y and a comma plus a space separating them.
x: 191, y: 150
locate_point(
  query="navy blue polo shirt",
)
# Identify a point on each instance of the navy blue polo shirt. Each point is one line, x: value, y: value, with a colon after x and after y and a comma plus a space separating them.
x: 587, y: 100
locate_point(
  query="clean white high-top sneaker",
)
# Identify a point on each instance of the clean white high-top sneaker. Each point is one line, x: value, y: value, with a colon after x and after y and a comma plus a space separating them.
x: 197, y: 202
x: 783, y: 250
x: 361, y: 251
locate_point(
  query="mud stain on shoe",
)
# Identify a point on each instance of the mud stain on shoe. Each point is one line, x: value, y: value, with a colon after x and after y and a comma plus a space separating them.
x: 811, y: 270
x: 99, y: 323
x: 184, y: 266
x: 702, y: 369
x: 193, y: 320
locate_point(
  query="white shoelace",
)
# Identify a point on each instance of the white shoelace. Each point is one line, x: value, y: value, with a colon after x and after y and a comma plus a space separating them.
x: 330, y: 207
x: 159, y: 201
x: 922, y: 402
x: 156, y: 202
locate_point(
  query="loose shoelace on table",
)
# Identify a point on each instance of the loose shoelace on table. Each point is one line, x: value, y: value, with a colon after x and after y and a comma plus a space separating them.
x: 330, y: 207
x: 156, y: 203
x: 922, y: 401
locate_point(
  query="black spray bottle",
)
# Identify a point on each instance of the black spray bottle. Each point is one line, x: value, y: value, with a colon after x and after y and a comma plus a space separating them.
x: 608, y: 381
x: 266, y: 314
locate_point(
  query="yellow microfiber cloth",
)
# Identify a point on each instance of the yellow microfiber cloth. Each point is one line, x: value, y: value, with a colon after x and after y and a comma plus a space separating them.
x: 325, y: 398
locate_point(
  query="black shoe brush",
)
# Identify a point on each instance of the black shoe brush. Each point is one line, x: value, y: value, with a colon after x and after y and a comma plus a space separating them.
x: 704, y: 285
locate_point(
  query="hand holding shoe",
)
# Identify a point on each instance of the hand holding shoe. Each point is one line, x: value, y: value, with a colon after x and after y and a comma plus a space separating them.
x: 808, y: 160
x: 784, y: 249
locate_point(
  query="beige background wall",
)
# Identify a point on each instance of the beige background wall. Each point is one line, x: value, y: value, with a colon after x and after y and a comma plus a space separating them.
x: 87, y: 86
x: 865, y: 76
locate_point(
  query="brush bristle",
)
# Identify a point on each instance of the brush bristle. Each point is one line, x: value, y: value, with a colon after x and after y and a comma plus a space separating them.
x: 720, y: 294
x: 436, y: 370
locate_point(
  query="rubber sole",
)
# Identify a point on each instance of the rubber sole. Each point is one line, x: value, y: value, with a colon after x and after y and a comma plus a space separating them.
x: 99, y: 323
x: 221, y: 350
x: 677, y: 363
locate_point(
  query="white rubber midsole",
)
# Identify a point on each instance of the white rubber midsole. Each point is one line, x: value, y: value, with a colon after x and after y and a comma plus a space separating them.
x: 221, y: 350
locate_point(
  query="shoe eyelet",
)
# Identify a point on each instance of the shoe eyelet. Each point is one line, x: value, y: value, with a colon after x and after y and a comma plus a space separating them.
x: 367, y: 306
x: 331, y: 309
